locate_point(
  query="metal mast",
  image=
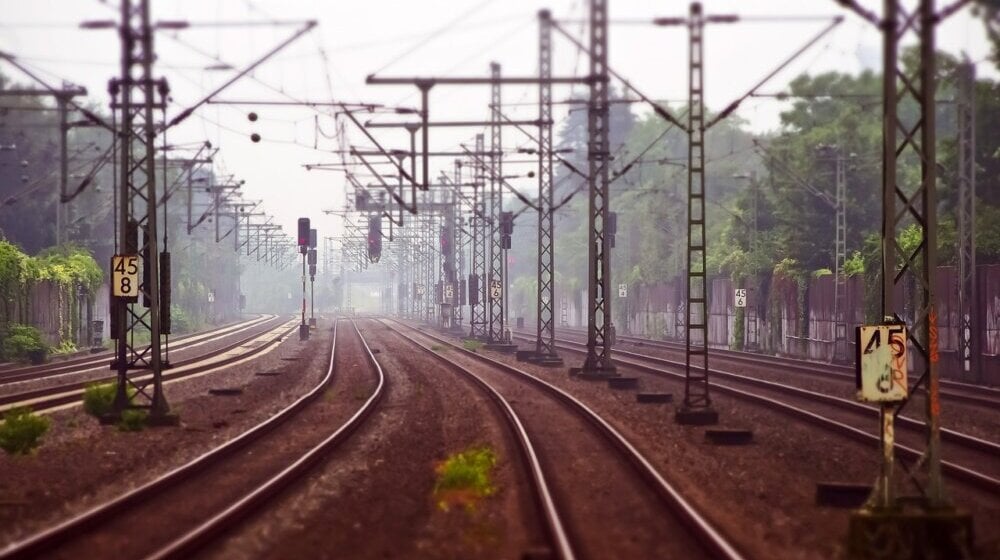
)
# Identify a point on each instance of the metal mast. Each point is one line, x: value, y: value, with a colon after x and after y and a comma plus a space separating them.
x: 136, y: 98
x: 599, y: 328
x: 697, y: 402
x: 496, y: 315
x: 479, y: 310
x: 545, y: 350
x: 840, y: 260
x: 969, y: 330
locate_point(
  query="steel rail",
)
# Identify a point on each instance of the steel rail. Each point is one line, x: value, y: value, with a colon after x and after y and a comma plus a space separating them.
x: 79, y: 525
x: 543, y: 495
x: 100, y: 359
x: 965, y: 474
x: 714, y: 542
x: 52, y: 397
x: 186, y: 545
x: 989, y: 397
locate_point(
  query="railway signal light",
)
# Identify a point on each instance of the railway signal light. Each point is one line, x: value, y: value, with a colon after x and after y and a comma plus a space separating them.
x: 506, y: 229
x: 374, y: 238
x: 473, y: 289
x: 303, y: 235
x: 312, y: 239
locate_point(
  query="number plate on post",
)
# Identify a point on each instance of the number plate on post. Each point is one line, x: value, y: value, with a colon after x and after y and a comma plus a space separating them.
x: 881, y: 363
x: 125, y: 276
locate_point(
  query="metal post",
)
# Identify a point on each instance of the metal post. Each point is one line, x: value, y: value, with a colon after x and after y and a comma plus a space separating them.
x: 496, y: 272
x: 478, y: 316
x: 697, y: 407
x: 840, y: 260
x: 599, y: 322
x: 136, y: 101
x: 62, y: 219
x: 969, y: 333
x: 545, y: 350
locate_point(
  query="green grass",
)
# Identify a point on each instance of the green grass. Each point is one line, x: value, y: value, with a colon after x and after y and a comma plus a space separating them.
x: 437, y: 347
x: 22, y: 430
x: 465, y: 477
x: 99, y: 398
x: 472, y: 345
x: 133, y: 420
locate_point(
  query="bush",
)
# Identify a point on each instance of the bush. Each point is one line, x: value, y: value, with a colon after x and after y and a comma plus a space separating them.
x: 180, y: 321
x: 133, y: 420
x: 24, y: 342
x: 99, y: 398
x: 22, y: 430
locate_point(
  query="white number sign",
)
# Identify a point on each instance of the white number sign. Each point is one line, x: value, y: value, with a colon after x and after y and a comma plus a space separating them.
x: 622, y: 290
x: 741, y: 297
x: 881, y: 375
x: 496, y: 289
x: 125, y: 276
x: 449, y: 291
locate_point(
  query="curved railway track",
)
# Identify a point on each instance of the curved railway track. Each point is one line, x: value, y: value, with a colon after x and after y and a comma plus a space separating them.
x: 101, y: 359
x: 261, y: 454
x: 955, y: 391
x: 58, y: 396
x: 689, y: 531
x: 975, y: 461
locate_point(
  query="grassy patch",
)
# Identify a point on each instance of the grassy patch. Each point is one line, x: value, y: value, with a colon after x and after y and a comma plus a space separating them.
x: 437, y: 347
x: 22, y: 430
x: 472, y: 345
x: 133, y: 420
x: 464, y: 478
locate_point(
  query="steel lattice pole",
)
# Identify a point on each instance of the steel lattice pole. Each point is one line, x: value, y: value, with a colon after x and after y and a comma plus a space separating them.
x: 496, y: 273
x: 696, y: 388
x: 599, y: 329
x: 969, y: 332
x: 137, y: 212
x: 546, y: 333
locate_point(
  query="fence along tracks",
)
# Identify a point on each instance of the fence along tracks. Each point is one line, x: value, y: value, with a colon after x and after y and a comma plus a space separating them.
x: 123, y: 509
x: 711, y: 542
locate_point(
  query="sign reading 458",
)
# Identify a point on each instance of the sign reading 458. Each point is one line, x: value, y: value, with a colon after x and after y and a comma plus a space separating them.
x: 125, y: 276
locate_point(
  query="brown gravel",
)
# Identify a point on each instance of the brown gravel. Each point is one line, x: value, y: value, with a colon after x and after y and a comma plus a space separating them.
x: 610, y: 512
x: 761, y: 495
x: 81, y: 463
x: 374, y: 498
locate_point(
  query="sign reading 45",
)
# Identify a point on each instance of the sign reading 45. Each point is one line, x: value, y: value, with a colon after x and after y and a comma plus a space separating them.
x: 125, y: 276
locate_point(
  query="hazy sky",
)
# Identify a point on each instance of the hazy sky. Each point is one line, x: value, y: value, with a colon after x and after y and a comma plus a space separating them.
x: 425, y: 37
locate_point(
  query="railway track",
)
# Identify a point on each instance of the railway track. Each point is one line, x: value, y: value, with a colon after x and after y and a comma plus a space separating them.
x: 975, y: 461
x: 956, y: 391
x: 640, y: 493
x: 70, y: 394
x: 101, y: 359
x: 244, y: 473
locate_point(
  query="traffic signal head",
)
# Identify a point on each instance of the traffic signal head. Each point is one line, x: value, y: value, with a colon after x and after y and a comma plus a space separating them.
x: 303, y: 234
x: 311, y: 257
x: 312, y: 238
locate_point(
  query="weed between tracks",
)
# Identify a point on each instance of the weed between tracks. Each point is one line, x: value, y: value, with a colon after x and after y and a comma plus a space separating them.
x: 437, y: 347
x: 22, y: 430
x: 464, y: 478
x: 472, y: 345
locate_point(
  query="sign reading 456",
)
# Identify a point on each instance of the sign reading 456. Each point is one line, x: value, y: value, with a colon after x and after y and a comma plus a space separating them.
x: 125, y: 276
